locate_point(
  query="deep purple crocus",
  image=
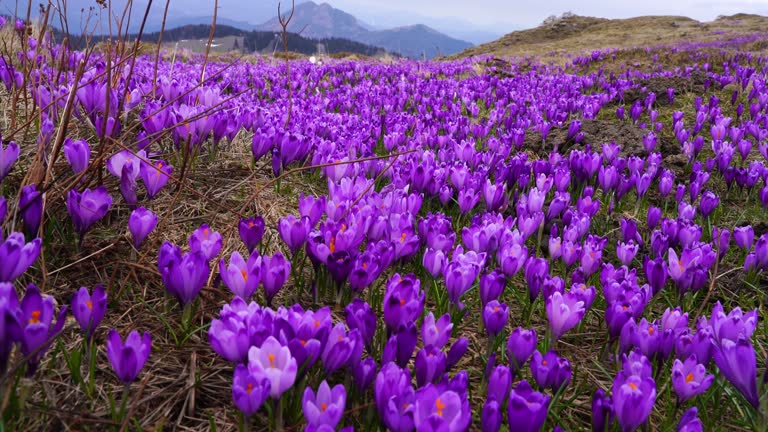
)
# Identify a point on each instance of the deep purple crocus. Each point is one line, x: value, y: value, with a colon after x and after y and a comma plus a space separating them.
x: 550, y: 371
x: 16, y: 256
x: 88, y: 207
x: 690, y: 422
x: 436, y: 332
x: 294, y: 231
x: 737, y: 362
x: 394, y: 397
x: 251, y: 231
x: 361, y: 316
x: 495, y: 316
x: 326, y: 407
x: 429, y: 365
x: 499, y: 383
x: 633, y: 399
x: 527, y: 409
x: 128, y: 358
x: 602, y: 412
x: 77, y: 153
x: 744, y: 237
x: 249, y: 392
x: 141, y: 223
x: 184, y: 275
x: 89, y: 309
x: 35, y: 329
x: 274, y: 273
x: 690, y: 378
x: 492, y: 285
x: 520, y: 347
x: 403, y: 300
x: 31, y: 209
x: 491, y: 417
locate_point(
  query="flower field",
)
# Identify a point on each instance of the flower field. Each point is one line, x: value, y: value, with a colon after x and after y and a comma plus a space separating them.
x: 243, y: 243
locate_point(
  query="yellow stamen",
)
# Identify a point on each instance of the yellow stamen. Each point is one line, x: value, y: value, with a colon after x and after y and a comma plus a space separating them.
x: 35, y: 319
x: 440, y: 406
x: 245, y: 275
x: 689, y: 377
x: 249, y: 389
x: 633, y: 386
x: 271, y: 360
x: 323, y: 407
x: 89, y: 304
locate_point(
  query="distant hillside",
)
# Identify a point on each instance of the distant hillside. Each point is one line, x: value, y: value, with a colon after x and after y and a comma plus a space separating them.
x: 322, y: 20
x: 195, y: 37
x: 574, y: 34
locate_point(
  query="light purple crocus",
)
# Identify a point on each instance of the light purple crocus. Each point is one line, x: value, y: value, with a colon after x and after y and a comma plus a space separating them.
x: 16, y: 256
x: 564, y: 312
x: 241, y: 277
x: 89, y: 309
x: 276, y: 363
x: 88, y: 207
x: 326, y: 407
x: 141, y: 223
x: 205, y: 241
x: 128, y: 358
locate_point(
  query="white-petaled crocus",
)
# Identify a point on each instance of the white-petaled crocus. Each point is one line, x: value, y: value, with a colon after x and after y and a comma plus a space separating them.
x: 89, y: 308
x: 128, y: 358
x: 141, y: 223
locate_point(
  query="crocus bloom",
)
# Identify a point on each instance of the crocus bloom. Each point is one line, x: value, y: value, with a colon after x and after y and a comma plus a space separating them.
x: 294, y: 231
x: 550, y: 371
x: 251, y: 231
x: 602, y: 412
x: 89, y: 309
x: 491, y: 417
x: 241, y: 277
x: 564, y: 312
x: 16, y: 256
x: 31, y: 209
x: 690, y: 378
x: 527, y: 409
x: 128, y: 358
x: 444, y: 408
x: 690, y: 422
x: 249, y: 392
x: 744, y: 236
x: 78, y: 154
x: 456, y: 352
x: 341, y: 348
x: 229, y: 335
x: 491, y: 285
x: 155, y: 176
x: 364, y: 373
x: 520, y: 347
x: 118, y: 161
x: 633, y: 399
x: 206, y: 242
x: 429, y: 365
x: 274, y: 273
x: 436, y: 332
x: 184, y: 275
x: 403, y: 300
x: 275, y: 362
x: 733, y: 325
x: 394, y: 397
x: 361, y: 316
x: 736, y: 361
x: 709, y: 202
x: 88, y: 207
x: 325, y: 408
x: 35, y: 325
x: 141, y: 223
x: 495, y: 316
x: 499, y: 383
x: 8, y: 156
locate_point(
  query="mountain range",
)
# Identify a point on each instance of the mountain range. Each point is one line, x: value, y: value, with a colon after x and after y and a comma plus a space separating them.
x: 323, y: 20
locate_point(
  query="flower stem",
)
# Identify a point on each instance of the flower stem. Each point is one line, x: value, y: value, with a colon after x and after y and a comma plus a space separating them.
x: 278, y: 416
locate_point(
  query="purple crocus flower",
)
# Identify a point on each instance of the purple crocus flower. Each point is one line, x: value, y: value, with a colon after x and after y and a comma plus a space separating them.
x: 118, y: 161
x: 564, y: 312
x: 155, y: 176
x: 249, y: 392
x: 78, y: 154
x: 276, y: 363
x: 16, y: 256
x: 690, y: 422
x: 8, y: 156
x: 88, y: 207
x: 744, y: 236
x: 229, y: 336
x: 733, y: 325
x: 251, y: 231
x: 274, y: 273
x: 626, y: 252
x: 499, y: 383
x: 492, y: 285
x: 602, y: 412
x: 708, y: 204
x: 128, y: 186
x: 429, y: 365
x: 520, y: 347
x: 184, y: 275
x: 527, y: 409
x: 31, y: 209
x: 394, y: 397
x: 128, y: 358
x: 436, y: 332
x: 364, y: 373
x: 437, y: 409
x: 491, y: 417
x: 141, y: 223
x: 434, y: 261
x: 294, y: 231
x: 456, y: 352
x: 89, y: 309
x: 341, y: 348
x: 241, y: 277
x: 206, y: 242
x: 655, y: 273
x: 536, y: 270
x: 360, y: 316
x: 3, y: 212
x: 9, y: 325
x: 511, y: 257
x: 495, y: 316
x: 633, y: 399
x: 736, y: 361
x: 403, y: 301
x: 33, y: 325
x: 690, y: 378
x: 550, y: 371
x: 400, y: 345
x: 325, y: 408
x: 311, y: 207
